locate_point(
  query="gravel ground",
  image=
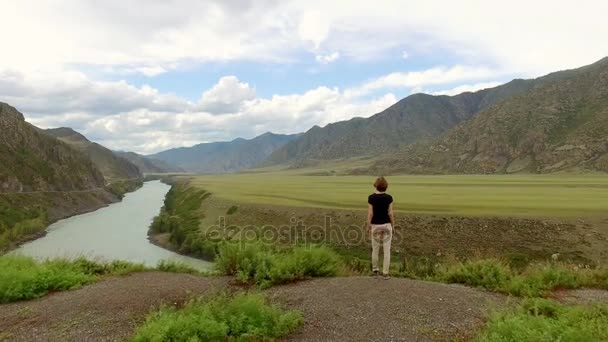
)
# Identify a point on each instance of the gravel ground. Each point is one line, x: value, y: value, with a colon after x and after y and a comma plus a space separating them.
x: 335, y: 309
x: 582, y: 296
x: 369, y: 309
x: 106, y: 311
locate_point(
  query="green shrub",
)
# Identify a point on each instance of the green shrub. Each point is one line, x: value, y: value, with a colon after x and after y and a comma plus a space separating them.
x: 267, y: 266
x: 175, y: 267
x: 355, y: 265
x: 24, y: 278
x: 599, y: 278
x: 233, y: 209
x: 181, y: 217
x: 545, y: 320
x: 249, y: 262
x: 535, y: 280
x: 120, y: 187
x: 417, y: 268
x: 16, y: 232
x: 244, y: 317
x: 491, y: 274
x: 304, y: 262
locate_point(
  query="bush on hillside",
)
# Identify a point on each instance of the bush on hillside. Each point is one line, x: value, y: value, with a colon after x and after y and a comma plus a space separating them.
x: 24, y: 278
x: 175, y: 267
x: 244, y: 317
x: 267, y: 266
x: 491, y: 274
x: 180, y: 217
x: 545, y: 320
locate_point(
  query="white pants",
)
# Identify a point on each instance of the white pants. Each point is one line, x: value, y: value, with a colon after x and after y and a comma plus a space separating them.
x: 385, y: 240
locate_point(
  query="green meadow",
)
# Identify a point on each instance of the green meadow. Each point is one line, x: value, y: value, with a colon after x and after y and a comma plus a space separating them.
x: 560, y: 195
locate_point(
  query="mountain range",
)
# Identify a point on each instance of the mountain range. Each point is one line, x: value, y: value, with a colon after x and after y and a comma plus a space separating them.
x: 112, y: 166
x: 225, y: 157
x: 560, y: 124
x: 551, y: 123
x: 31, y: 160
x: 419, y: 117
x: 149, y: 165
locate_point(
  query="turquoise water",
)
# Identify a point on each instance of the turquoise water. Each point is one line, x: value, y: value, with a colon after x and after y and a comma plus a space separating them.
x: 116, y: 232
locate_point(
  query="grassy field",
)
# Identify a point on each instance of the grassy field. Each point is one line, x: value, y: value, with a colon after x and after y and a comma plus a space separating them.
x: 496, y: 195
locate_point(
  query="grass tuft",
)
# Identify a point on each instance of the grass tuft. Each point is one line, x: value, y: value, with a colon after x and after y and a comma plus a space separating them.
x: 537, y: 279
x: 243, y: 317
x: 176, y: 267
x: 546, y: 320
x: 24, y: 278
x: 491, y: 274
x: 266, y: 266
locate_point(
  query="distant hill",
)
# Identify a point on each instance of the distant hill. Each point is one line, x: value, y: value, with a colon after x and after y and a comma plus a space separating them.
x: 33, y: 161
x: 416, y: 118
x: 149, y: 165
x: 560, y: 125
x: 224, y: 157
x: 112, y: 167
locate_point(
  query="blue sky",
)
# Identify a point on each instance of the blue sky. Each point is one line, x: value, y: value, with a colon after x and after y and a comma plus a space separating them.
x: 150, y: 75
x: 296, y: 77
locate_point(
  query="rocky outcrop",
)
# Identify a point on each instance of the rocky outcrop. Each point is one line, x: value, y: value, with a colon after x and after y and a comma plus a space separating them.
x: 562, y: 125
x: 112, y: 166
x: 32, y: 161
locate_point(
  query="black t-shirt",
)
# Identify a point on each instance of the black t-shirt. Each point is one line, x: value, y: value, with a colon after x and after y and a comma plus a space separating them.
x: 380, y: 204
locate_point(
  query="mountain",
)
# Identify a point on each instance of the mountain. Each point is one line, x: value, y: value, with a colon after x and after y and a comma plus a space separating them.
x: 416, y: 118
x: 224, y: 157
x: 33, y: 161
x: 559, y: 125
x: 148, y: 165
x: 112, y: 167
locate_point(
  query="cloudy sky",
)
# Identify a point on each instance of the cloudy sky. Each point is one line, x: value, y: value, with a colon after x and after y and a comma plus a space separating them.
x: 147, y: 75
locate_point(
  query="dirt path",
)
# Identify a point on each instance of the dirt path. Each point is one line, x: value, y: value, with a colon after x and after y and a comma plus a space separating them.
x: 105, y: 311
x: 368, y: 309
x: 345, y: 309
x: 582, y: 296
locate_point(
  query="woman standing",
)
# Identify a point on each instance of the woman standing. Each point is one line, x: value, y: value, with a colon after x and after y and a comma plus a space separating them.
x: 380, y: 223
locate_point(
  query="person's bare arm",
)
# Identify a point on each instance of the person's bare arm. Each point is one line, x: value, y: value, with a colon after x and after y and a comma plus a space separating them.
x: 370, y: 214
x: 391, y: 214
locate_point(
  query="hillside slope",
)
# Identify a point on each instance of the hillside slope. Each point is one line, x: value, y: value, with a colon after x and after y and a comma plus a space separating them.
x: 419, y: 117
x: 112, y: 167
x: 32, y: 161
x: 560, y: 125
x: 224, y: 157
x: 148, y: 165
x: 413, y: 310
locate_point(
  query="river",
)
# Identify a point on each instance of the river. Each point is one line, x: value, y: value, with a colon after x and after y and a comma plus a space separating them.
x: 116, y: 232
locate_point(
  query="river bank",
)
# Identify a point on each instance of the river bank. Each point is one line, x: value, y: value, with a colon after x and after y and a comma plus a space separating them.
x: 115, y: 232
x: 26, y: 216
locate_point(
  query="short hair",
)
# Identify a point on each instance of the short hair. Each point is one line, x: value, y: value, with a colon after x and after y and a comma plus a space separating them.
x: 381, y: 184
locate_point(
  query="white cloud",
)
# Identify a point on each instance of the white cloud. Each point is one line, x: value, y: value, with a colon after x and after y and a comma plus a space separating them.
x: 326, y: 59
x: 313, y: 27
x: 148, y: 35
x: 417, y: 79
x: 124, y: 117
x: 405, y: 55
x: 227, y: 96
x: 66, y: 91
x: 151, y: 71
x: 466, y: 88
